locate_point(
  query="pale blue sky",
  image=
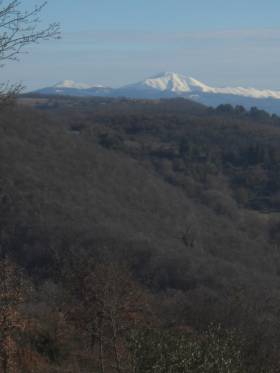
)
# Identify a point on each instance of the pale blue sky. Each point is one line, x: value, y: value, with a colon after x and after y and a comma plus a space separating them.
x: 114, y: 42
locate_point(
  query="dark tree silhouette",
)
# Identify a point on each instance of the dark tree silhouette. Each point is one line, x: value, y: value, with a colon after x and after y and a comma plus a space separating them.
x: 18, y: 29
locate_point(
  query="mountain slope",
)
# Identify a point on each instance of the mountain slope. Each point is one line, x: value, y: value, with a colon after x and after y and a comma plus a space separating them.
x: 170, y: 82
x: 173, y: 195
x: 169, y: 85
x: 70, y: 88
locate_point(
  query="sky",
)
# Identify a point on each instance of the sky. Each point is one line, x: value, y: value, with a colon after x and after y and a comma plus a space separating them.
x: 115, y: 42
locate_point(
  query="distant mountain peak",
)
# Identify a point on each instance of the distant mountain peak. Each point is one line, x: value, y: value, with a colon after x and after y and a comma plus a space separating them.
x: 172, y: 82
x: 70, y: 84
x: 180, y: 84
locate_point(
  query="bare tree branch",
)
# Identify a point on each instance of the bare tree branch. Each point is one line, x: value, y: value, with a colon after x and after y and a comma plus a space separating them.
x: 18, y: 29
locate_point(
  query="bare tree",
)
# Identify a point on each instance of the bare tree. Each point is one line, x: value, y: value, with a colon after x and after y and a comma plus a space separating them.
x: 18, y: 29
x: 12, y: 322
x: 111, y: 306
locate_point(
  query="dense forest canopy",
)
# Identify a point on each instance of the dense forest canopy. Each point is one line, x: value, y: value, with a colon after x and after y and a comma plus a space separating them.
x: 141, y: 236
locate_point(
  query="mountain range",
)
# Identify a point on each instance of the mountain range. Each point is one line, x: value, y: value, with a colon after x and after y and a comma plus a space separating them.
x: 171, y: 85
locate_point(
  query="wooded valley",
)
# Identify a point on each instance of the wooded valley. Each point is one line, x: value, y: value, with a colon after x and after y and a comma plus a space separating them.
x: 139, y: 236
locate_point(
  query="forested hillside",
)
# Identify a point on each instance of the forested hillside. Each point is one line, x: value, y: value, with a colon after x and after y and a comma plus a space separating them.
x: 139, y: 236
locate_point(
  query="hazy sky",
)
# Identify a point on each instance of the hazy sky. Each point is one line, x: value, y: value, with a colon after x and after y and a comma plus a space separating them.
x: 114, y: 42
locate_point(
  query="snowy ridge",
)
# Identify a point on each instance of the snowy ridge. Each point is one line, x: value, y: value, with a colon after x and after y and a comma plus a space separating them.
x: 175, y: 84
x: 172, y: 82
x: 171, y: 85
x: 247, y: 92
x: 70, y: 84
x: 181, y: 84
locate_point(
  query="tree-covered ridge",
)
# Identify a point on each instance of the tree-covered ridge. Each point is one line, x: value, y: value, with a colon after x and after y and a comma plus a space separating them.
x: 145, y: 235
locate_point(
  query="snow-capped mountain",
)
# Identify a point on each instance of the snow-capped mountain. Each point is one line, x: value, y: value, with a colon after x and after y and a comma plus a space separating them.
x: 181, y: 85
x: 170, y: 85
x: 71, y: 88
x: 170, y: 82
x: 71, y: 84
